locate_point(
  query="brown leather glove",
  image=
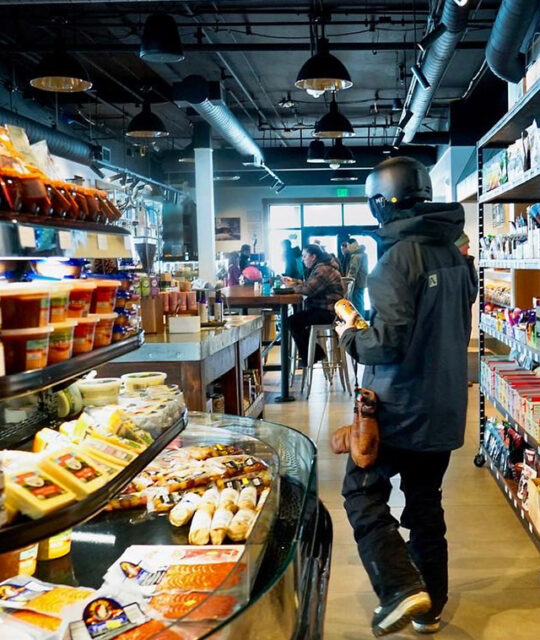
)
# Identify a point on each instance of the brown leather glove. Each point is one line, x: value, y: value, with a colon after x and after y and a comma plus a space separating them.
x: 361, y: 438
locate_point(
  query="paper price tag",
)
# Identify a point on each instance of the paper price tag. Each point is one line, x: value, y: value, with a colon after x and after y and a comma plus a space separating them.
x: 102, y: 242
x: 64, y: 239
x: 27, y: 237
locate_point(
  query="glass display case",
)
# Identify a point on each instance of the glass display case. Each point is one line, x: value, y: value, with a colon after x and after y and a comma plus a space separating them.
x: 278, y: 585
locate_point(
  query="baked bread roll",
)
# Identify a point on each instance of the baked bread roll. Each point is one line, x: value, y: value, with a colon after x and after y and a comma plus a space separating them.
x: 182, y: 513
x: 220, y: 524
x: 241, y: 524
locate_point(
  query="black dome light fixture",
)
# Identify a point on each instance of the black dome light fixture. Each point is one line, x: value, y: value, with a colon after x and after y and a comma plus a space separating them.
x: 339, y: 154
x: 323, y: 72
x: 146, y: 124
x: 316, y: 152
x: 160, y: 40
x: 60, y: 72
x: 334, y: 124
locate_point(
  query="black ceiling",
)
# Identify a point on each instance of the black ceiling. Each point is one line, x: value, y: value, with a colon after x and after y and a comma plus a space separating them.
x: 255, y: 47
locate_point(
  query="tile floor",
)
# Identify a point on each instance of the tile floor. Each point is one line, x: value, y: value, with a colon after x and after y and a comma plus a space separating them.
x: 494, y: 566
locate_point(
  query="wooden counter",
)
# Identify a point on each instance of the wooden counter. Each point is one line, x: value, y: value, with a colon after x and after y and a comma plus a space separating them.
x: 195, y: 361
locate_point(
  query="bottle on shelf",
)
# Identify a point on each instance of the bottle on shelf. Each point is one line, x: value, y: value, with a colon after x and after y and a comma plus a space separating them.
x: 203, y: 307
x: 218, y: 307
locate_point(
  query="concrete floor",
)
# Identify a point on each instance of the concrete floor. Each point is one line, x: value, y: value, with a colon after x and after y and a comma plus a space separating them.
x: 494, y: 566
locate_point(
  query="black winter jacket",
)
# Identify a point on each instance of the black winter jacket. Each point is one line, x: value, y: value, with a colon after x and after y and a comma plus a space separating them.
x: 415, y: 350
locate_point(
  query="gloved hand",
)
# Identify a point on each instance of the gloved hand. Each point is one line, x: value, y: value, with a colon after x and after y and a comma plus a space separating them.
x: 361, y: 438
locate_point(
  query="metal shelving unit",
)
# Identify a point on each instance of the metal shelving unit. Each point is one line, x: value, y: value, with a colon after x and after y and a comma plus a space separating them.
x: 525, y: 189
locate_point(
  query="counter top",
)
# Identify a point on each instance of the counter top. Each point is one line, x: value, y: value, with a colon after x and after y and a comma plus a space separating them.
x: 193, y: 347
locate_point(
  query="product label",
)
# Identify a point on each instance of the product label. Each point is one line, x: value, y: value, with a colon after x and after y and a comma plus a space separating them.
x: 141, y: 576
x: 80, y: 302
x: 36, y: 353
x: 16, y: 595
x: 105, y: 618
x: 112, y: 451
x: 40, y: 487
x: 58, y: 309
x: 77, y: 467
x: 44, y: 312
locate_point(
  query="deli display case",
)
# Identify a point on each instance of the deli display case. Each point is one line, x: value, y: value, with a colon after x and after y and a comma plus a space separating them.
x: 272, y: 584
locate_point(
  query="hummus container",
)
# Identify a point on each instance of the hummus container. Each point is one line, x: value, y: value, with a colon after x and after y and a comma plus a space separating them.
x: 80, y: 298
x: 99, y: 391
x: 25, y: 305
x: 61, y: 341
x: 26, y: 349
x: 143, y: 379
x: 83, y: 337
x: 104, y: 330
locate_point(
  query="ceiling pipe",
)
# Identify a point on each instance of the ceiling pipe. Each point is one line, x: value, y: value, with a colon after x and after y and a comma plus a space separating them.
x: 509, y: 30
x: 435, y: 63
x: 60, y: 144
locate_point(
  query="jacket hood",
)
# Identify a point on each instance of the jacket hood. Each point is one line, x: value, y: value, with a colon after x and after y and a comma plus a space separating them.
x: 328, y: 259
x: 354, y: 247
x: 426, y: 223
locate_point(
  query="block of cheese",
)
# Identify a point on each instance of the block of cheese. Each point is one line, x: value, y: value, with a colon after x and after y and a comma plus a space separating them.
x: 108, y: 468
x: 123, y: 443
x: 36, y: 493
x: 103, y: 450
x: 46, y: 438
x: 75, y: 430
x: 75, y: 470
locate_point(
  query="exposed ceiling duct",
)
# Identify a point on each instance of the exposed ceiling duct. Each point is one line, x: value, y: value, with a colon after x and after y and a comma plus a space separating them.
x: 207, y: 101
x: 509, y: 29
x: 60, y: 144
x: 435, y: 63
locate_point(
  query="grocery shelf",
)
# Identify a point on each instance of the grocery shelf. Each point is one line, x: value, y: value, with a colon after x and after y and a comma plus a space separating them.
x: 19, y: 384
x: 508, y: 418
x: 525, y: 189
x: 510, y: 126
x: 531, y: 263
x: 509, y: 489
x: 31, y: 237
x: 28, y: 532
x: 511, y: 342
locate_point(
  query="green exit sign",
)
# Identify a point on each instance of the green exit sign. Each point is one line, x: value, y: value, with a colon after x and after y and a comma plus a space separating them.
x: 342, y: 192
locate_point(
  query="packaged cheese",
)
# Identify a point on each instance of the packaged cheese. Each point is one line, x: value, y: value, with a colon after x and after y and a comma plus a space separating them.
x: 48, y: 438
x: 36, y: 493
x: 110, y: 453
x: 75, y: 470
x: 123, y: 443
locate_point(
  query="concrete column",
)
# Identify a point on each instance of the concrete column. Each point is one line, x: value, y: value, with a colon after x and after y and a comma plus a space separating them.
x: 204, y: 197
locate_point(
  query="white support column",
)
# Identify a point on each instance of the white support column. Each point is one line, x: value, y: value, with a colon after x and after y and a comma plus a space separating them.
x: 206, y: 226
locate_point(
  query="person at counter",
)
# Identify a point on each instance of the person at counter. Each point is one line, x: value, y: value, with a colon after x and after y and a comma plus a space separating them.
x: 322, y: 290
x: 245, y: 256
x: 292, y: 256
x: 234, y: 272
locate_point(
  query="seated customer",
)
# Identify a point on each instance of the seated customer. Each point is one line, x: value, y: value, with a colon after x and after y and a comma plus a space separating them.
x: 322, y: 290
x: 234, y: 272
x: 245, y: 256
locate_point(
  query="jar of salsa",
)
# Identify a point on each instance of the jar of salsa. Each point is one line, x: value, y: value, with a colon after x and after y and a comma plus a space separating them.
x: 26, y: 349
x: 25, y: 305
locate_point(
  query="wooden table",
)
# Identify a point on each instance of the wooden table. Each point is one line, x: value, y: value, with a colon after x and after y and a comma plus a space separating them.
x: 244, y: 297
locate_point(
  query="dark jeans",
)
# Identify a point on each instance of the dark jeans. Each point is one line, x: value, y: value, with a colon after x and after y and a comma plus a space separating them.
x: 300, y: 324
x: 396, y: 568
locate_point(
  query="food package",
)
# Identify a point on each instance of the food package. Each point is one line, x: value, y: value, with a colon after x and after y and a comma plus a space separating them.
x: 241, y: 525
x: 182, y: 513
x: 515, y: 161
x: 221, y: 522
x: 533, y: 135
x: 248, y: 498
x: 210, y: 500
x: 199, y: 531
x: 228, y: 499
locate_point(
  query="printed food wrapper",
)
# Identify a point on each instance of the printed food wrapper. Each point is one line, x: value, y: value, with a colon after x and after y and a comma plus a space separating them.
x: 13, y: 629
x: 24, y: 592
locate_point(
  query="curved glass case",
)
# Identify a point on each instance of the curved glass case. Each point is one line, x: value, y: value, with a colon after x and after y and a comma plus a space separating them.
x: 279, y: 584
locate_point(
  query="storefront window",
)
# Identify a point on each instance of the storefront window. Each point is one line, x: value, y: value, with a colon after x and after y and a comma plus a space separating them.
x: 323, y: 215
x: 284, y: 216
x: 358, y: 214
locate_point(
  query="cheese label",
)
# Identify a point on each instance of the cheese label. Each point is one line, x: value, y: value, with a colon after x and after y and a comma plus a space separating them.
x: 79, y: 468
x: 117, y: 453
x: 40, y: 487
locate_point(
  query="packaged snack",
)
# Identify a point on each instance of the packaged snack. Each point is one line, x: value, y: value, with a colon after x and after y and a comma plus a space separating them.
x: 221, y: 521
x: 83, y: 337
x: 241, y: 524
x: 248, y: 498
x: 80, y: 298
x: 142, y: 380
x: 61, y: 341
x: 228, y: 499
x: 75, y: 470
x: 104, y: 296
x: 99, y: 391
x: 19, y: 562
x: 199, y: 532
x: 55, y: 547
x: 35, y: 493
x: 30, y: 594
x: 25, y: 305
x: 182, y: 513
x: 345, y: 309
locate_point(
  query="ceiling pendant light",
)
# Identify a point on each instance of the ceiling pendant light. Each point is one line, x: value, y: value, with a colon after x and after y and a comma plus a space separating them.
x: 334, y: 124
x: 323, y: 72
x: 160, y: 40
x: 60, y: 72
x: 316, y: 152
x: 146, y: 124
x: 339, y: 154
x: 342, y: 175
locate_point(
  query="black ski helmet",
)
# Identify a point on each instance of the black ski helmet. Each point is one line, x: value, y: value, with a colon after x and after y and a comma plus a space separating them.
x: 397, y: 182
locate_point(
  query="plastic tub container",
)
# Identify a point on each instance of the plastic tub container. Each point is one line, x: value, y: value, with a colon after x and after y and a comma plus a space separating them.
x: 20, y: 562
x: 143, y: 379
x: 25, y: 305
x: 26, y: 349
x: 104, y: 330
x: 99, y: 391
x: 104, y: 296
x: 80, y: 298
x: 83, y: 337
x: 59, y: 301
x: 55, y: 547
x: 61, y: 341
